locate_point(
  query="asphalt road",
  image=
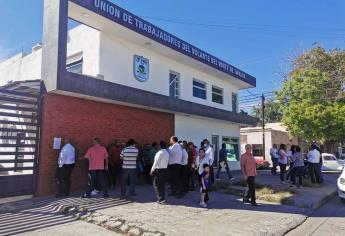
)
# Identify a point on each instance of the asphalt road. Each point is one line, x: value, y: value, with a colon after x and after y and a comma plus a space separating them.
x: 327, y: 220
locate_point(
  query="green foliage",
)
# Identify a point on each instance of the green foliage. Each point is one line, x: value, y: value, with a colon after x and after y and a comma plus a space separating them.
x: 272, y: 112
x: 312, y: 99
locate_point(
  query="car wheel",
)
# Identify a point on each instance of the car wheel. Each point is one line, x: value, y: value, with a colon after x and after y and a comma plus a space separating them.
x: 342, y: 200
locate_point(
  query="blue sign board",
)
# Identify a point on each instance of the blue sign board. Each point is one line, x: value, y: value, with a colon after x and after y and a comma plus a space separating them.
x: 139, y: 25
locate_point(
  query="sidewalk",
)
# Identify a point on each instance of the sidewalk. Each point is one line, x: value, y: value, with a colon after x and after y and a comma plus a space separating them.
x: 226, y: 215
x: 306, y: 197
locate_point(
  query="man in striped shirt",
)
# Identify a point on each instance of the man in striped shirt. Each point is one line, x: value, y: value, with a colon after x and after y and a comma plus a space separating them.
x: 129, y: 156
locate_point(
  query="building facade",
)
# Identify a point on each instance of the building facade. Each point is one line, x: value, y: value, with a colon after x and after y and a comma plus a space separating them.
x: 116, y: 76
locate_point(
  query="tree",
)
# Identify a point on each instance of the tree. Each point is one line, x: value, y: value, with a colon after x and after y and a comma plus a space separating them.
x: 312, y: 98
x: 272, y: 112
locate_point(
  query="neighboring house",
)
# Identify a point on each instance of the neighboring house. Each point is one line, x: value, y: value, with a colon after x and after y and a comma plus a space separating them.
x: 275, y: 133
x: 125, y: 78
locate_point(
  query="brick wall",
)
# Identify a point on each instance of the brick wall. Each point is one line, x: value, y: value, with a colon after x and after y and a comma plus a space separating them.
x: 81, y: 120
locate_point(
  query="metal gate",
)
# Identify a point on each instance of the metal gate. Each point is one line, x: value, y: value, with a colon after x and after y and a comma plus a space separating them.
x: 19, y: 137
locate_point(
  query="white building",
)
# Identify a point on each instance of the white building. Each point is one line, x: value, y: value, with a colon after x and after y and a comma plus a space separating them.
x: 121, y: 59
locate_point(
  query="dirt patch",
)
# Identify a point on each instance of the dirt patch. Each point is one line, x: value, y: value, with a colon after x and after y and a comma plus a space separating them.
x: 263, y: 192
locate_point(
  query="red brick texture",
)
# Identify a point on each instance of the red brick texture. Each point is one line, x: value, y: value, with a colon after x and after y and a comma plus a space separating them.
x: 81, y: 120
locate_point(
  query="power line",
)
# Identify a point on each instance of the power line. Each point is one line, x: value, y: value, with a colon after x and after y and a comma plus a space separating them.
x: 251, y: 28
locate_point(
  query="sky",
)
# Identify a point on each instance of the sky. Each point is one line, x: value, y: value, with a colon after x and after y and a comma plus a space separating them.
x: 256, y: 36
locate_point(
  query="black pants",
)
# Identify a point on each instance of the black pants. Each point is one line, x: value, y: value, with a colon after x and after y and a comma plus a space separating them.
x: 282, y: 171
x: 175, y: 179
x: 297, y: 172
x: 314, y: 172
x: 191, y: 178
x: 159, y: 181
x: 64, y: 179
x: 274, y: 165
x: 147, y: 174
x: 115, y: 172
x: 251, y: 189
x: 96, y: 178
x: 289, y: 173
x: 184, y: 178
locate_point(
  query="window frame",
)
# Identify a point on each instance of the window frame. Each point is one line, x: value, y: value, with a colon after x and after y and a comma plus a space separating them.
x: 218, y: 94
x: 197, y: 87
x: 232, y: 102
x: 178, y: 86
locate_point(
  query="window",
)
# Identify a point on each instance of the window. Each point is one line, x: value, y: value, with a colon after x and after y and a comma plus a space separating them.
x: 257, y: 150
x: 329, y: 158
x: 217, y: 95
x: 174, y: 84
x: 234, y: 102
x: 199, y: 89
x: 75, y: 63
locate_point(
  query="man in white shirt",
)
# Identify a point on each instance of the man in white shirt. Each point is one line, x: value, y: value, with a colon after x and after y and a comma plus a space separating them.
x: 274, y: 157
x: 209, y: 154
x: 66, y: 164
x: 175, y: 160
x: 313, y: 157
x: 159, y: 171
x: 184, y: 168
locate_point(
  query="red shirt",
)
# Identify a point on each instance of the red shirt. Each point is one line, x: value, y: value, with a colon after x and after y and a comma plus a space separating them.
x: 114, y: 155
x: 96, y: 156
x: 248, y: 164
x: 191, y: 157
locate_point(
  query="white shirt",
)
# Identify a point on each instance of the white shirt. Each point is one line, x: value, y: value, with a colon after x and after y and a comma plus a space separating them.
x: 283, y: 157
x: 313, y: 156
x: 67, y: 155
x: 209, y: 154
x: 200, y: 163
x: 273, y: 152
x: 175, y: 154
x: 184, y: 157
x: 161, y: 160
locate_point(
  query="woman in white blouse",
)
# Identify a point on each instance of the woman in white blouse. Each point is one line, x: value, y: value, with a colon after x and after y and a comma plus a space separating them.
x: 283, y: 160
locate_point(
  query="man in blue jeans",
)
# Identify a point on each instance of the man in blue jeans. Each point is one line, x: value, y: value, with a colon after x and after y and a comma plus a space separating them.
x: 129, y: 156
x: 223, y: 156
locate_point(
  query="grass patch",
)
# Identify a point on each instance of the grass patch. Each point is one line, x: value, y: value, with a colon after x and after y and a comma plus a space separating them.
x: 309, y: 184
x: 282, y: 196
x: 263, y: 192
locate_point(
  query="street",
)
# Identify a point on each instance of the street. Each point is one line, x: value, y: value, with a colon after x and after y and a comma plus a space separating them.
x: 327, y: 220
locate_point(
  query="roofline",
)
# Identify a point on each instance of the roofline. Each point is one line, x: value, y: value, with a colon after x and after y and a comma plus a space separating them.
x: 106, y: 9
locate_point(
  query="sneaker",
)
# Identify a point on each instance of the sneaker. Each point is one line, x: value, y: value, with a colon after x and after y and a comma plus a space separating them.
x: 293, y: 186
x: 232, y: 179
x: 254, y: 204
x: 85, y: 196
x: 162, y: 202
x: 246, y: 200
x: 202, y: 204
x: 94, y: 192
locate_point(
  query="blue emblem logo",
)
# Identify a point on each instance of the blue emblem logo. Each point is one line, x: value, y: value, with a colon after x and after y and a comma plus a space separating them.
x: 141, y: 68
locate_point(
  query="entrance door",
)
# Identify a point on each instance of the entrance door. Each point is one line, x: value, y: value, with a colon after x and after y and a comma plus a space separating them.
x: 19, y: 138
x: 215, y: 144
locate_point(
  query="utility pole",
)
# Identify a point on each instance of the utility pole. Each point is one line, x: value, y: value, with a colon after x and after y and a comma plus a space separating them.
x: 263, y: 125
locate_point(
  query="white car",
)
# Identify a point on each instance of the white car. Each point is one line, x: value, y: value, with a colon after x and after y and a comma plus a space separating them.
x: 331, y: 163
x: 341, y: 186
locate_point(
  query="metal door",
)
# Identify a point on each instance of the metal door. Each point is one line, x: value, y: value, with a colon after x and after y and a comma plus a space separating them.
x: 19, y: 137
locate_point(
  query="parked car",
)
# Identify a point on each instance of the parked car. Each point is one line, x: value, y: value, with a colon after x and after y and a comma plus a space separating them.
x: 261, y: 163
x: 331, y: 163
x: 341, y: 186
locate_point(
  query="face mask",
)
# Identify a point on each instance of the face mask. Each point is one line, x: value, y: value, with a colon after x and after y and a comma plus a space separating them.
x: 205, y: 145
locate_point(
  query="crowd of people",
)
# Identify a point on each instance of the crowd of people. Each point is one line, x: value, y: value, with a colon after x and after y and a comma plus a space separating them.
x: 298, y: 165
x: 180, y: 165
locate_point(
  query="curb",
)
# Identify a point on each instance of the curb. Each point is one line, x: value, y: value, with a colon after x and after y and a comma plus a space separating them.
x: 324, y: 200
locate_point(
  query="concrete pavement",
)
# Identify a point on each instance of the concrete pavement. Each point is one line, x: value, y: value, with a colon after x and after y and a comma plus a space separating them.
x: 328, y: 220
x: 226, y: 215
